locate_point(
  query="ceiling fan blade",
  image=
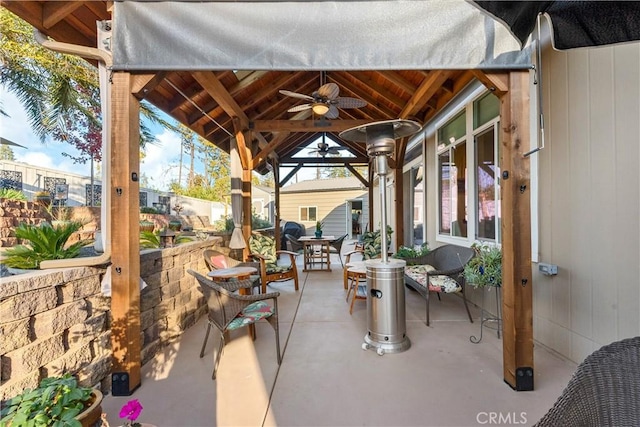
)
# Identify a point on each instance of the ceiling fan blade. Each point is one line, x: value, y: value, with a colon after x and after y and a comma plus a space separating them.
x: 329, y: 91
x: 333, y: 150
x: 297, y: 108
x: 347, y: 102
x: 296, y: 95
x: 332, y: 113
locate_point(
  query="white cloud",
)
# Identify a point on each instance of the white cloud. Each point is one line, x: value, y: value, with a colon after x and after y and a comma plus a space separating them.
x: 161, y: 162
x: 16, y: 128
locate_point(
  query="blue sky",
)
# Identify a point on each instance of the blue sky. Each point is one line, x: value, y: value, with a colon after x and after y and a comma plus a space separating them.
x: 160, y: 163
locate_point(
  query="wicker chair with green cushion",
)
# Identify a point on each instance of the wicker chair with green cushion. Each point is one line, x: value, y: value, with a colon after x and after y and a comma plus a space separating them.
x: 229, y: 311
x: 263, y: 249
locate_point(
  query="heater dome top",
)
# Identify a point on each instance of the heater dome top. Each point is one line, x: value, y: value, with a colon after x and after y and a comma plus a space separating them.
x: 394, y: 129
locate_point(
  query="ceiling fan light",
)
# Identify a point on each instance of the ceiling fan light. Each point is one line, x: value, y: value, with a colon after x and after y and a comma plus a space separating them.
x: 320, y: 108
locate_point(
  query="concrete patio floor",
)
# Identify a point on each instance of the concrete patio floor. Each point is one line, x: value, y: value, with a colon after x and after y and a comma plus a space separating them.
x: 326, y: 379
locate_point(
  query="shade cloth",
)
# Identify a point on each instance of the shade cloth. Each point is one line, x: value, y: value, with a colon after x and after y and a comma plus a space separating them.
x: 575, y: 23
x: 311, y: 35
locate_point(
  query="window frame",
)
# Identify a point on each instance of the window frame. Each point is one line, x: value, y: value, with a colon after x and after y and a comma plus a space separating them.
x: 300, y: 208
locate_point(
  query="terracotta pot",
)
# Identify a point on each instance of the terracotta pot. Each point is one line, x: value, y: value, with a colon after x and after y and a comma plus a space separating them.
x: 90, y: 416
x: 147, y: 226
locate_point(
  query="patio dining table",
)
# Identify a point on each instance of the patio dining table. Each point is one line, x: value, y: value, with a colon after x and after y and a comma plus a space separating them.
x: 317, y: 252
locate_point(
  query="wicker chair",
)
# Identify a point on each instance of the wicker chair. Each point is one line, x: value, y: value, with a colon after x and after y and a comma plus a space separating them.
x: 216, y: 260
x: 604, y: 390
x: 229, y: 311
x: 296, y: 245
x: 440, y: 271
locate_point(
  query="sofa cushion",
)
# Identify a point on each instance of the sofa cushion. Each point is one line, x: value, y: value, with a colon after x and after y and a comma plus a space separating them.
x: 438, y: 283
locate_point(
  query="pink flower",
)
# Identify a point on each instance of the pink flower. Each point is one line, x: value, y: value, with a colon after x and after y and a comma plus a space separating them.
x: 131, y: 410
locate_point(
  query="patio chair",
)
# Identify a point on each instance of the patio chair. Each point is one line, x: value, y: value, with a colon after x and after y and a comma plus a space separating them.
x: 296, y: 245
x: 229, y: 311
x: 603, y: 391
x: 370, y: 249
x: 336, y: 246
x: 263, y: 249
x: 216, y: 260
x: 440, y: 271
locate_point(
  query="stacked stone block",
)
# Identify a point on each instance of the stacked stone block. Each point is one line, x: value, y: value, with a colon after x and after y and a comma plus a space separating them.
x: 57, y: 321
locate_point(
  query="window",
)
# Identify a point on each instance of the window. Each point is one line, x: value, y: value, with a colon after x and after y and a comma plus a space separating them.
x: 468, y: 205
x: 486, y: 169
x: 308, y: 213
x: 452, y: 166
x: 417, y: 201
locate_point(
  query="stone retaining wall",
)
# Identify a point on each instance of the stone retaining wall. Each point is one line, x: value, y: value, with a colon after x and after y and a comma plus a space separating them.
x: 56, y: 321
x: 14, y: 212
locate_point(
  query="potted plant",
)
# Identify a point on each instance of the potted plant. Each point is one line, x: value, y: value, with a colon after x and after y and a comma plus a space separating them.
x: 319, y: 226
x: 412, y: 255
x: 42, y: 198
x: 146, y: 225
x: 45, y: 243
x: 58, y: 401
x: 485, y: 268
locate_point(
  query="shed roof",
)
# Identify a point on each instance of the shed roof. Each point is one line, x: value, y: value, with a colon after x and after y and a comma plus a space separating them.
x: 329, y: 184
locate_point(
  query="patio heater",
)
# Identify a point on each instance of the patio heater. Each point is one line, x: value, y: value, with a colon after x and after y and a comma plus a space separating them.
x: 386, y: 320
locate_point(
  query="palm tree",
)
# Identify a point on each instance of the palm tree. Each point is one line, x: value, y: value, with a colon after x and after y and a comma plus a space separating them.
x: 60, y: 93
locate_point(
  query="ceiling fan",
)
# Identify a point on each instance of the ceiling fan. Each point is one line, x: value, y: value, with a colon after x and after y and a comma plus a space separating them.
x: 324, y: 148
x: 324, y: 101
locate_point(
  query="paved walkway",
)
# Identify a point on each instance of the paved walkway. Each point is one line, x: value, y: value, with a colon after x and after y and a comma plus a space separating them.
x: 326, y: 379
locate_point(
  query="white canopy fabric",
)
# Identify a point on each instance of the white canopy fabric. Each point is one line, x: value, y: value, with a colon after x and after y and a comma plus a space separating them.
x: 311, y: 35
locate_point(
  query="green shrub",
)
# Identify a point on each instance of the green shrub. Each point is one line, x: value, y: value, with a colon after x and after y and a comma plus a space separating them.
x: 405, y: 252
x: 226, y: 223
x: 45, y: 243
x: 12, y: 194
x: 149, y: 210
x: 151, y: 240
x: 55, y: 402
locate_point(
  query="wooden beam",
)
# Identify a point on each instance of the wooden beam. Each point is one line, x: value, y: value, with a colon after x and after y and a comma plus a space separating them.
x: 243, y: 150
x: 55, y: 11
x: 289, y: 175
x: 517, y: 283
x: 125, y: 225
x: 219, y: 93
x: 357, y: 174
x: 496, y: 82
x: 142, y: 84
x: 305, y: 125
x: 324, y: 160
x: 428, y: 88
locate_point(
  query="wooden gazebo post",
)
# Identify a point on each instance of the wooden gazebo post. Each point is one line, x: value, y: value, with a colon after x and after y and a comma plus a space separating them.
x: 517, y: 283
x: 125, y: 229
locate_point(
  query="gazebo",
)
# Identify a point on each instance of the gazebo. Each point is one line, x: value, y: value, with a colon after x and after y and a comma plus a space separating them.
x: 219, y: 67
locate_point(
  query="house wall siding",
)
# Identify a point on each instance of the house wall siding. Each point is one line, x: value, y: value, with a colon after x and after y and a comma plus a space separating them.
x: 589, y: 200
x: 331, y: 207
x: 589, y: 190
